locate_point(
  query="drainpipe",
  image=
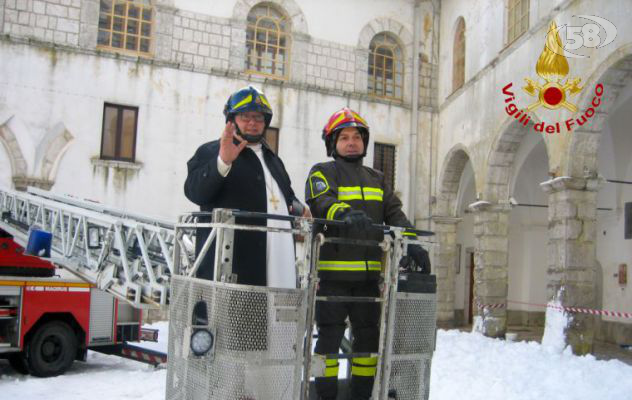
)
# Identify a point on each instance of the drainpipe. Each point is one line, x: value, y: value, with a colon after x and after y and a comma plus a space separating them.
x: 434, y: 115
x: 414, y: 115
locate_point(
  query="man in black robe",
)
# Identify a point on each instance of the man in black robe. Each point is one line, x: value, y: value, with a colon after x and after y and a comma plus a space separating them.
x: 229, y: 173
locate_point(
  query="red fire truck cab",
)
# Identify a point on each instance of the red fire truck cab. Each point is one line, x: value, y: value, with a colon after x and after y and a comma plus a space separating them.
x: 48, y: 318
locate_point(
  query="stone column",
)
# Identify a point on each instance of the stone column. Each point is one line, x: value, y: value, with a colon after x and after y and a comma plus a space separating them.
x: 298, y: 59
x: 443, y: 267
x: 572, y: 254
x: 164, y: 20
x: 361, y: 69
x: 237, y: 54
x: 491, y: 223
x: 89, y: 24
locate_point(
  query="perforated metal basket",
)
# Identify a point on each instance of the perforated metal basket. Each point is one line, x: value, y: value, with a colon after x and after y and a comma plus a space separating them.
x: 413, y: 344
x: 258, y: 347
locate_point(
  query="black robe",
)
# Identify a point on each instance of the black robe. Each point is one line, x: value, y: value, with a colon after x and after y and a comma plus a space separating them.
x: 243, y: 188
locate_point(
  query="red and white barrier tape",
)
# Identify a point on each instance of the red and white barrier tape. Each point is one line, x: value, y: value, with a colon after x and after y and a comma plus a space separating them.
x: 609, y: 313
x: 488, y: 306
x: 149, y: 358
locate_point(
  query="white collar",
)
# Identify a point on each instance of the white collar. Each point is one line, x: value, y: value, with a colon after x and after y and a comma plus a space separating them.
x: 255, y: 147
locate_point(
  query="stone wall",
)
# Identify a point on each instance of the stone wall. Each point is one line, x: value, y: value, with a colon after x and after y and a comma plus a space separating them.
x: 201, y: 40
x: 613, y: 332
x: 330, y: 65
x: 205, y: 43
x: 55, y: 21
x: 525, y: 318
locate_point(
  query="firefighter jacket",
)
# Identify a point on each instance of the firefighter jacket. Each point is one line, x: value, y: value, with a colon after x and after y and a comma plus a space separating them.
x: 332, y: 189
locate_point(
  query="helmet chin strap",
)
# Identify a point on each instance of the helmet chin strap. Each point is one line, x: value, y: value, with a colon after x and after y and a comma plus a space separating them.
x: 252, y: 139
x: 354, y: 158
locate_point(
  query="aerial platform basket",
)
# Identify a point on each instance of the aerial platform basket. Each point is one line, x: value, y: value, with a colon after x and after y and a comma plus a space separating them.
x: 258, y: 335
x: 229, y: 341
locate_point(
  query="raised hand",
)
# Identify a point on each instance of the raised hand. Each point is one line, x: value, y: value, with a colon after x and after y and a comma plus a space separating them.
x: 228, y: 150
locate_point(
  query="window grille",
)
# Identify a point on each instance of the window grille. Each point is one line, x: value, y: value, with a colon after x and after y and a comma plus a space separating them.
x: 267, y: 42
x: 125, y: 25
x: 384, y: 160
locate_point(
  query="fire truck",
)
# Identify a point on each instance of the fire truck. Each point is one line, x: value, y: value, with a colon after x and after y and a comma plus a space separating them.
x: 49, y: 317
x: 227, y: 341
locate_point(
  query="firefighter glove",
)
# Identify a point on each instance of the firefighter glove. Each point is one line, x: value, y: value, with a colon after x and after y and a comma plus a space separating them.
x: 357, y: 220
x: 420, y: 258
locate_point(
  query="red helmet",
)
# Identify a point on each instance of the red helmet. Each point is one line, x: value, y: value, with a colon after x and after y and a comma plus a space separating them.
x: 344, y: 118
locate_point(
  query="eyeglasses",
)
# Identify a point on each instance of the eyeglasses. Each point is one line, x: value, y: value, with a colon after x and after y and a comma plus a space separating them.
x: 252, y: 117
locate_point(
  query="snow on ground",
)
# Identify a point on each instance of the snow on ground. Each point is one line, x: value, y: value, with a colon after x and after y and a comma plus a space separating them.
x: 471, y: 366
x: 465, y: 365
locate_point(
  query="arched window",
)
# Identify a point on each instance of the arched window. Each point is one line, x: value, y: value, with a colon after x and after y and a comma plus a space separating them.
x: 386, y: 69
x: 458, y: 56
x: 517, y: 19
x: 125, y: 25
x: 267, y: 42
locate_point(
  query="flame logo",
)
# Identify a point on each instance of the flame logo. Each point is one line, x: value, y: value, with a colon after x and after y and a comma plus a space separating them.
x: 552, y: 66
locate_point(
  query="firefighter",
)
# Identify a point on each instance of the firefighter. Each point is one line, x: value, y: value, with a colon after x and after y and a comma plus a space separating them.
x: 345, y: 190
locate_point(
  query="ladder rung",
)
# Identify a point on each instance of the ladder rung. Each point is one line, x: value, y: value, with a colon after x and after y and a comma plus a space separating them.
x: 355, y: 242
x: 350, y: 299
x: 347, y: 356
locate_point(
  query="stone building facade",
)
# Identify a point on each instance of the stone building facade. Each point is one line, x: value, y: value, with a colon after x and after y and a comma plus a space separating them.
x: 537, y: 218
x: 522, y: 218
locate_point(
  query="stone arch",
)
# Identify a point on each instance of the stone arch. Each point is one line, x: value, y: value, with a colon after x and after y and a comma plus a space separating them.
x: 491, y: 222
x: 51, y: 150
x: 401, y: 34
x: 529, y: 143
x: 614, y: 74
x: 19, y: 166
x: 288, y: 7
x: 445, y: 223
x: 500, y: 160
x: 453, y: 166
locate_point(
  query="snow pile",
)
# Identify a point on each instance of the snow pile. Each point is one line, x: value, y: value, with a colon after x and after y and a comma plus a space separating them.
x: 556, y: 323
x: 469, y: 365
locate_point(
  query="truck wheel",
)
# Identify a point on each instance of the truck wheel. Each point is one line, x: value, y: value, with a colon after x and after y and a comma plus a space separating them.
x: 17, y: 361
x: 52, y: 349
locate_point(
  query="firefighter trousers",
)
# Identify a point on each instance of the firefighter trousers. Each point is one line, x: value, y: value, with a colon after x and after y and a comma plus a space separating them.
x: 330, y: 320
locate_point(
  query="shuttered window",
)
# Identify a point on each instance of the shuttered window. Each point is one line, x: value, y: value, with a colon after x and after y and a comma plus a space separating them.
x: 517, y: 19
x: 458, y: 56
x: 118, y: 140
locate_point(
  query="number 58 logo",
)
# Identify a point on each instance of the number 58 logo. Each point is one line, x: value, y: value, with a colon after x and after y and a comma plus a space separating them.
x: 587, y: 35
